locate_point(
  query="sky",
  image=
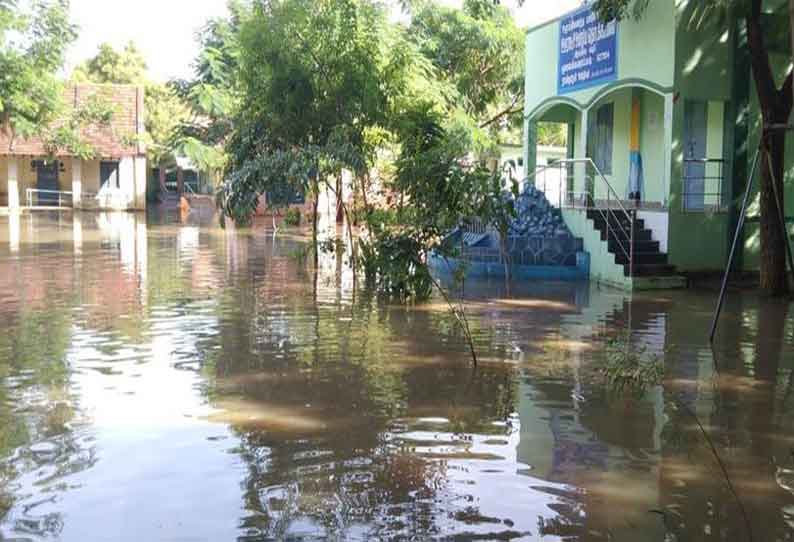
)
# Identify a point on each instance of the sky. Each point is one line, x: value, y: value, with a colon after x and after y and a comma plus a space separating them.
x: 164, y: 30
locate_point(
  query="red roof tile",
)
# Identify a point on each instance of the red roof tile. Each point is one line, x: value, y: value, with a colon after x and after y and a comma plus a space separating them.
x: 110, y: 141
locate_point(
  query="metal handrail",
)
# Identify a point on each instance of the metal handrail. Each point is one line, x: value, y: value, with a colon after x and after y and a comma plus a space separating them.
x: 60, y: 193
x: 605, y: 214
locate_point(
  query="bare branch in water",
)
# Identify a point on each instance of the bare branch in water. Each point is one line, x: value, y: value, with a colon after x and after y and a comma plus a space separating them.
x: 722, y: 466
x: 460, y: 316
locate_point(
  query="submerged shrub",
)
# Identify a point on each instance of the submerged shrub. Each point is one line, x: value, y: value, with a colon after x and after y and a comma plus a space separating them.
x: 630, y: 368
x: 292, y: 217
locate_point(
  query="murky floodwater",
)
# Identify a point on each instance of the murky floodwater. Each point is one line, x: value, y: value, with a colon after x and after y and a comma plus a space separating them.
x: 181, y: 382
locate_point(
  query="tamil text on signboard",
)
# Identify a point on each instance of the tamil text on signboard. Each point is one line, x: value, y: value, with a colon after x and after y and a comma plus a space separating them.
x: 588, y: 51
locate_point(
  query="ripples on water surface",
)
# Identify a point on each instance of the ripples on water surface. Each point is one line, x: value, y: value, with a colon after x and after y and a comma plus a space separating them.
x: 182, y: 382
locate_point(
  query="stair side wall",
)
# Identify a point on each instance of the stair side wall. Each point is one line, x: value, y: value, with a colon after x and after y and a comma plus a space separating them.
x: 602, y: 262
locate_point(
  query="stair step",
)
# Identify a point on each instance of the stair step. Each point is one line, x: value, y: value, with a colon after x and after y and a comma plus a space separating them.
x: 640, y: 245
x: 601, y: 222
x: 642, y: 258
x: 639, y: 235
x: 650, y: 270
x: 612, y: 214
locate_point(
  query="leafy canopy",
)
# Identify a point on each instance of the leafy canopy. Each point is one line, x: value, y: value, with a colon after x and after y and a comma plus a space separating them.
x: 33, y: 44
x: 478, y: 51
x: 108, y: 66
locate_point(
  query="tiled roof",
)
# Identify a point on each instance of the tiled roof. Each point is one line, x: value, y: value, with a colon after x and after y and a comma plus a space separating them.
x: 121, y: 138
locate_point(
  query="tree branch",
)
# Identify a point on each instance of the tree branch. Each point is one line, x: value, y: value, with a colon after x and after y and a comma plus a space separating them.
x: 509, y: 110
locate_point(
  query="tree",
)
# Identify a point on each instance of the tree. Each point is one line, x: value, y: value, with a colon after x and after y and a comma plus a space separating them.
x: 108, y: 66
x: 169, y: 117
x: 478, y: 51
x: 213, y: 95
x: 311, y: 79
x: 553, y: 134
x: 165, y: 114
x: 33, y: 45
x: 776, y: 101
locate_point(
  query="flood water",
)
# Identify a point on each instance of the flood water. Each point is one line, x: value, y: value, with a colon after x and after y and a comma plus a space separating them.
x: 176, y: 381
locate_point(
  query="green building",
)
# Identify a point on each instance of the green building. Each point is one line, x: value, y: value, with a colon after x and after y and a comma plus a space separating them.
x: 666, y: 115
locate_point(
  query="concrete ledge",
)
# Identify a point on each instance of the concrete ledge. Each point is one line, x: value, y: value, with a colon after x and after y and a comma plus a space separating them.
x: 659, y: 283
x: 580, y: 272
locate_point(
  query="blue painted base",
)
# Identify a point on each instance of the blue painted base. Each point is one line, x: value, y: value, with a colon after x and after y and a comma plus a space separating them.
x: 475, y: 269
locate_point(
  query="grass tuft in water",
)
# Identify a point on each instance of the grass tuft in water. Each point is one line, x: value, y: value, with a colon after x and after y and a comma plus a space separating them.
x: 631, y: 368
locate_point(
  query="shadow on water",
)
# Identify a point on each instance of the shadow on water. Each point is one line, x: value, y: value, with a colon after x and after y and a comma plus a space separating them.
x: 163, y: 378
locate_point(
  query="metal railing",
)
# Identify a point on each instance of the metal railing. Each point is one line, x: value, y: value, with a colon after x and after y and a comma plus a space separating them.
x: 51, y: 198
x: 560, y: 180
x: 703, y: 183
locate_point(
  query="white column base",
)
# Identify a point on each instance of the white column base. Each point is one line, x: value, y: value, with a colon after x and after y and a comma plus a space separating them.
x: 13, y: 183
x: 77, y: 183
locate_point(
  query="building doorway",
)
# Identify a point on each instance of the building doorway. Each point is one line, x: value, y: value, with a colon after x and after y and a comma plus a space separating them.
x: 47, y: 181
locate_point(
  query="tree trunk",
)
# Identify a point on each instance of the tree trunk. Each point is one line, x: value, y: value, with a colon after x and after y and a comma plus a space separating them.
x: 791, y: 33
x: 161, y: 175
x: 315, y: 219
x: 774, y: 278
x: 776, y: 104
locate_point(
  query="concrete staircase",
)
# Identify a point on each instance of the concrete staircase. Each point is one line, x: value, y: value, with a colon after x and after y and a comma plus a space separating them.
x: 615, y: 228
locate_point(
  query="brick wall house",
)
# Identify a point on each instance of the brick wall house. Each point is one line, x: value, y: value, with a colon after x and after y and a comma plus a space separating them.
x: 114, y: 179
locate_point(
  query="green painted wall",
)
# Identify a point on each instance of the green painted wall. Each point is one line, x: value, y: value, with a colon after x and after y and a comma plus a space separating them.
x: 619, y: 178
x: 664, y: 50
x: 645, y: 52
x: 698, y: 241
x: 652, y: 146
x: 703, y: 56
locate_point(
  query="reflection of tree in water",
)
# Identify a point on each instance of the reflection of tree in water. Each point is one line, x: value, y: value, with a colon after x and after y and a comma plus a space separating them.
x: 749, y: 424
x: 346, y: 367
x: 292, y: 484
x: 37, y: 417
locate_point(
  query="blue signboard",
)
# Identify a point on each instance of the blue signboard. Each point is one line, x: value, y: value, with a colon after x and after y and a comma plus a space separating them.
x: 588, y: 51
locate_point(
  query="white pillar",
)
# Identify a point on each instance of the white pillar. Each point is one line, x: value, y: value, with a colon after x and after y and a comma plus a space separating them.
x: 668, y: 146
x: 530, y: 150
x: 77, y: 233
x: 77, y: 182
x: 13, y: 231
x: 580, y: 175
x: 13, y: 183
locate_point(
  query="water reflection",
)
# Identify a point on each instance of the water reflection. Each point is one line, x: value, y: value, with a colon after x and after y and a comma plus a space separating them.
x: 164, y: 380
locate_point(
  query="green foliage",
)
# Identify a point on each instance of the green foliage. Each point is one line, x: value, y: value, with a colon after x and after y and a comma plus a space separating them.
x: 108, y: 66
x: 478, y: 52
x: 176, y: 119
x: 213, y: 95
x: 394, y: 264
x: 443, y: 191
x: 609, y: 10
x: 552, y: 134
x: 293, y: 217
x: 328, y: 86
x: 630, y: 368
x: 66, y: 134
x: 33, y: 44
x: 165, y: 114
